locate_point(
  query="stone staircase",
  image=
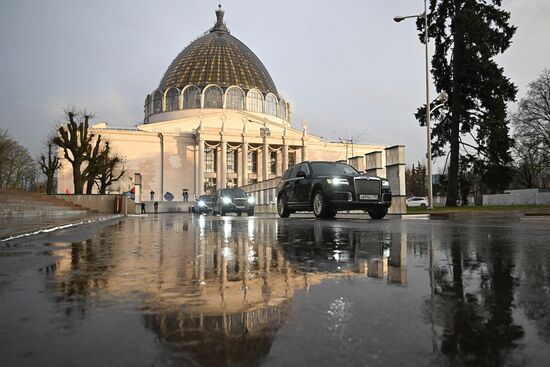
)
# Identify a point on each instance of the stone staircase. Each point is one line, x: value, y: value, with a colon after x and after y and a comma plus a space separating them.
x: 22, y: 211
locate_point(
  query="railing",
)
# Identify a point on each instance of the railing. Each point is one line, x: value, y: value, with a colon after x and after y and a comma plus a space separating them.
x: 264, y: 193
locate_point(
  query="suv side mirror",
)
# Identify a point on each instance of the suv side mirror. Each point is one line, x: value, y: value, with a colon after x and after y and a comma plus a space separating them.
x: 301, y: 174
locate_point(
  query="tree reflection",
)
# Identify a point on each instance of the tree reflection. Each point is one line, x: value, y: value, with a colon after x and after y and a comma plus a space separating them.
x: 474, y: 300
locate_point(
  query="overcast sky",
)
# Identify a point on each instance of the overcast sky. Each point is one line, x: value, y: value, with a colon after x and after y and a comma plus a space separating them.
x: 345, y: 67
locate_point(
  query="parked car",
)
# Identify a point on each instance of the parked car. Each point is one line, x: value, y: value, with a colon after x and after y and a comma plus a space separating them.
x: 326, y: 187
x: 203, y: 204
x: 232, y: 201
x: 417, y: 201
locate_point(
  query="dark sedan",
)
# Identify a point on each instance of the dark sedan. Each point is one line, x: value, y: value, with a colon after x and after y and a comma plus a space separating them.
x: 327, y: 187
x: 233, y: 201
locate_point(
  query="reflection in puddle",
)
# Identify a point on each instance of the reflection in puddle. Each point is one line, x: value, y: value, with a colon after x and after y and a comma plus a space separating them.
x: 221, y: 283
x: 241, y: 291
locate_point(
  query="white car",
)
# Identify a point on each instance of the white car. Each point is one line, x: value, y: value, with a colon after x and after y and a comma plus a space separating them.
x: 417, y: 201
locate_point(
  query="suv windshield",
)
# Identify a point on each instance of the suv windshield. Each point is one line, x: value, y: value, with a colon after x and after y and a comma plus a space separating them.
x: 233, y: 193
x: 329, y: 168
x: 206, y: 198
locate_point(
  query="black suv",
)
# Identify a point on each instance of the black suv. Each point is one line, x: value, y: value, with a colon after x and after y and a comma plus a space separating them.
x: 232, y: 201
x: 203, y: 204
x: 326, y: 187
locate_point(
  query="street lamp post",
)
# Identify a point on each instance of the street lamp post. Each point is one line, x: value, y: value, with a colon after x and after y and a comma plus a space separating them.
x: 428, y: 111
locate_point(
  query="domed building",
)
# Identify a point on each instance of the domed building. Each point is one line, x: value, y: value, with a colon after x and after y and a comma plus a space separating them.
x: 216, y: 71
x: 215, y: 120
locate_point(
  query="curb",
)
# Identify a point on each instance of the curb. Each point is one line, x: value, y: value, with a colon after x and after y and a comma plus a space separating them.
x: 61, y: 226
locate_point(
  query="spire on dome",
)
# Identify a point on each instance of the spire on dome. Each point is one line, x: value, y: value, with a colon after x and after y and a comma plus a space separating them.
x: 220, y: 25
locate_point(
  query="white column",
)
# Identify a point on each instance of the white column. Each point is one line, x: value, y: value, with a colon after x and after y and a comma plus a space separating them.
x: 265, y: 160
x: 395, y: 173
x: 285, y: 155
x: 239, y: 167
x: 279, y: 170
x: 223, y: 169
x: 200, y: 168
x: 244, y: 162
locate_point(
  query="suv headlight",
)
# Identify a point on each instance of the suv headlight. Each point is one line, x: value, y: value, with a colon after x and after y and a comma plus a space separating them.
x: 226, y: 200
x: 251, y: 200
x: 385, y: 183
x: 336, y: 181
x: 202, y: 203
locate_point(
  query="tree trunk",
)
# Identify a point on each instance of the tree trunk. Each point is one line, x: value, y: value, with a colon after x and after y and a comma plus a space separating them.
x: 456, y: 112
x: 49, y: 184
x: 77, y: 178
x: 89, y: 186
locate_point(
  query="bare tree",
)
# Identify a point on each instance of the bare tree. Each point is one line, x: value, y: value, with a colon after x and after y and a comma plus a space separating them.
x: 17, y: 168
x: 532, y: 126
x: 75, y: 139
x: 93, y: 158
x: 109, y: 169
x: 49, y: 163
x: 531, y: 164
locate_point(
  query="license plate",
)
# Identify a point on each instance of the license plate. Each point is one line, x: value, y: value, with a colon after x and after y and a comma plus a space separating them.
x: 239, y: 207
x: 368, y: 197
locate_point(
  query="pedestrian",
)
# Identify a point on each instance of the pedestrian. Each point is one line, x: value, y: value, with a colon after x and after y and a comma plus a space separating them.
x: 152, y: 193
x: 185, y: 195
x: 143, y: 208
x: 156, y: 207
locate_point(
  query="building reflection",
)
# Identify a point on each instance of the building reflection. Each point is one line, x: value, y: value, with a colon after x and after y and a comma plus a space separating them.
x: 218, y: 290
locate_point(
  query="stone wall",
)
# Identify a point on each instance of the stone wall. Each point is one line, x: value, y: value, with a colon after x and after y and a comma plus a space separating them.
x: 98, y: 203
x: 519, y: 197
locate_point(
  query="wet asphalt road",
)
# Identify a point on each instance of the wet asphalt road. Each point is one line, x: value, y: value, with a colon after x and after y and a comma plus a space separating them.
x: 177, y: 289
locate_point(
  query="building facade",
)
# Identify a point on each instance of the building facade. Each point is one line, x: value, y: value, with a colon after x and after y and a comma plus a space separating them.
x: 216, y: 120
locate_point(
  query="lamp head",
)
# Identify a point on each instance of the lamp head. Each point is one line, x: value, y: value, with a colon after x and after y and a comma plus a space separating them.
x: 443, y: 97
x: 398, y: 18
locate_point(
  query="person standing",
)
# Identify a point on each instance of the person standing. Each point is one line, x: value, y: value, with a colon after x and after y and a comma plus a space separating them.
x: 185, y: 195
x: 152, y: 193
x: 143, y: 208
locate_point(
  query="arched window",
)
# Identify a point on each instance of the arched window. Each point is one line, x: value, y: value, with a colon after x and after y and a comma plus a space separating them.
x: 213, y: 97
x: 282, y: 109
x: 271, y: 105
x: 147, y: 106
x: 157, y: 102
x: 172, y: 100
x: 234, y: 99
x: 191, y: 98
x: 255, y: 101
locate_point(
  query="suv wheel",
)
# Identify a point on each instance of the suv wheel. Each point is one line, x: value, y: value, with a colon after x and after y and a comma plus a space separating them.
x: 282, y: 209
x: 378, y: 213
x: 251, y: 212
x: 319, y: 205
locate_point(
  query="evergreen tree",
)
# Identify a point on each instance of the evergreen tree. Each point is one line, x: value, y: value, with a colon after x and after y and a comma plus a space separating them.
x: 468, y: 35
